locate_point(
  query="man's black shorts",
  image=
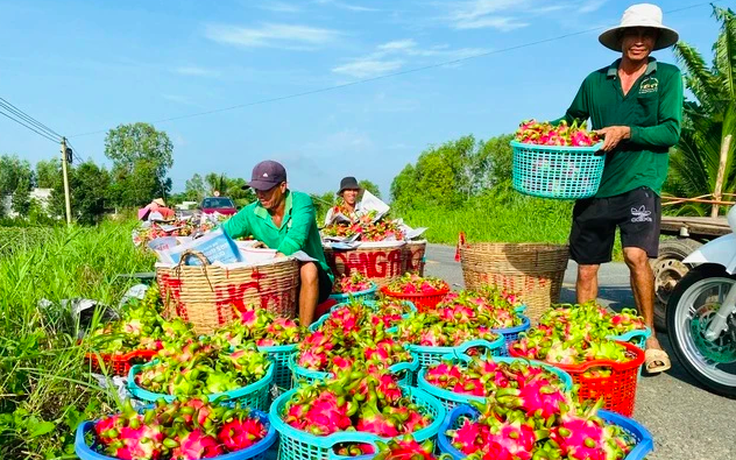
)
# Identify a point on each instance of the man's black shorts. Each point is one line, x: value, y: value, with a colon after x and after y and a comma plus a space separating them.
x: 636, y: 213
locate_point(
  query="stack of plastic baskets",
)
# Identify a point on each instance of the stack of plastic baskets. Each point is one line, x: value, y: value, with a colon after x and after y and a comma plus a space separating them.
x: 254, y: 396
x: 279, y: 355
x: 566, y: 173
x: 257, y: 451
x: 450, y: 399
x: 295, y: 444
x: 454, y: 419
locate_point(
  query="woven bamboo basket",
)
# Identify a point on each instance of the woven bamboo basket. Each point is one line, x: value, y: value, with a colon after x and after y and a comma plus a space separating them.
x: 415, y: 257
x: 378, y: 263
x: 209, y: 296
x: 533, y: 270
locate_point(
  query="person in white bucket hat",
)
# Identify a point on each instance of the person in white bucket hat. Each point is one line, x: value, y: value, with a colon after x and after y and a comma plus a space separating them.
x: 635, y: 105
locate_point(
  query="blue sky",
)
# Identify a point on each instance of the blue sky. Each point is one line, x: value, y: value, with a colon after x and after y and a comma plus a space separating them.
x: 85, y: 66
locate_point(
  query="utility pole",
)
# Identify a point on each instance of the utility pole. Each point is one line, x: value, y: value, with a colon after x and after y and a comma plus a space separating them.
x: 67, y: 199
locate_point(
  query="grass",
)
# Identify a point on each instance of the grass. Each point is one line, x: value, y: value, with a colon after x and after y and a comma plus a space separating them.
x: 45, y: 389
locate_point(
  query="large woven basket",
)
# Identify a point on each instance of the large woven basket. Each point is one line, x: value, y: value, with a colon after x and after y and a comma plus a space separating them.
x: 209, y: 296
x: 379, y: 263
x: 415, y: 257
x: 533, y: 270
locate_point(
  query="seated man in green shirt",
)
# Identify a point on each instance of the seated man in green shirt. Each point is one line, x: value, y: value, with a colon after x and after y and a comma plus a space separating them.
x: 636, y: 105
x: 284, y: 220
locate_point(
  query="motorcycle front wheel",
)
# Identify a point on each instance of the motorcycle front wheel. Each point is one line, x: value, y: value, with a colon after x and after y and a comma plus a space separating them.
x: 692, y: 305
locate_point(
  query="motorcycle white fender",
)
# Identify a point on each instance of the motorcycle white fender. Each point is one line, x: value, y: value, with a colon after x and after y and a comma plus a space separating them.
x: 721, y: 251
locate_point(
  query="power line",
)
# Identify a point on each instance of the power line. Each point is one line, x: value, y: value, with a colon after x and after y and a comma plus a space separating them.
x: 9, y: 106
x: 393, y: 74
x: 11, y: 117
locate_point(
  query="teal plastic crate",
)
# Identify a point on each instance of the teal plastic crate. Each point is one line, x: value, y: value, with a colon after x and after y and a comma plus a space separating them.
x: 564, y: 173
x: 433, y: 355
x: 299, y: 445
x: 451, y: 400
x: 257, y: 451
x: 279, y: 355
x: 368, y: 294
x: 253, y: 396
x: 404, y: 371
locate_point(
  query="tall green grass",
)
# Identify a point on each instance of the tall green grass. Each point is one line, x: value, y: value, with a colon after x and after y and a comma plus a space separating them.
x: 45, y: 389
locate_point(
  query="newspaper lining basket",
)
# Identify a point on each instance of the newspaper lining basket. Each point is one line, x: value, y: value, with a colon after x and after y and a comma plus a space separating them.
x: 209, y: 296
x: 618, y: 389
x: 453, y: 420
x: 534, y: 270
x: 565, y: 173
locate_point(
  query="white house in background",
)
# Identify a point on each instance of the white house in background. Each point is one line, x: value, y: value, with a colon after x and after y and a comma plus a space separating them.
x: 42, y: 195
x: 186, y: 205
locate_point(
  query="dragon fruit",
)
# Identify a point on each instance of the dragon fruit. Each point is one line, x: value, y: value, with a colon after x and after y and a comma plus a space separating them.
x: 545, y: 133
x: 241, y: 433
x: 411, y: 283
x: 195, y: 445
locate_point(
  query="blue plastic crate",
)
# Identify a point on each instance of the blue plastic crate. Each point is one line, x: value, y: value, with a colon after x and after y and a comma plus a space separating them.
x: 644, y: 440
x: 566, y: 173
x: 298, y: 445
x: 254, y: 452
x: 510, y: 334
x: 451, y: 399
x: 253, y: 396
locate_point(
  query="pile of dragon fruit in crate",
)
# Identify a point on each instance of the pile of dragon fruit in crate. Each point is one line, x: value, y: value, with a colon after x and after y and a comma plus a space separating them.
x: 380, y: 377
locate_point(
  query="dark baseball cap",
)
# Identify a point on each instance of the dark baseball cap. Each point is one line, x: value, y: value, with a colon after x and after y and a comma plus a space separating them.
x: 266, y: 175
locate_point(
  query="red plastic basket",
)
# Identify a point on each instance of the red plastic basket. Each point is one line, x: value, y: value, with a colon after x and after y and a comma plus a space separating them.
x: 422, y: 301
x: 119, y: 364
x: 617, y: 389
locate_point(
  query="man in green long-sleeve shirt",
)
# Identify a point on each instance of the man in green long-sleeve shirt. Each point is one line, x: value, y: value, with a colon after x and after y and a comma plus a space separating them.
x: 284, y: 220
x: 636, y: 105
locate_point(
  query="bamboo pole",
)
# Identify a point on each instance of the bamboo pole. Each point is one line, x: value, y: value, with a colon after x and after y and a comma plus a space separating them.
x: 725, y: 146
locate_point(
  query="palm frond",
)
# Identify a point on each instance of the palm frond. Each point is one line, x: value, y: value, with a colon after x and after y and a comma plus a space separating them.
x: 698, y: 77
x: 725, y: 51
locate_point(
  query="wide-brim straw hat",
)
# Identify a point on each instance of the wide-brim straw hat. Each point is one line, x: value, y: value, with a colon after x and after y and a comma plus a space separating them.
x: 640, y: 15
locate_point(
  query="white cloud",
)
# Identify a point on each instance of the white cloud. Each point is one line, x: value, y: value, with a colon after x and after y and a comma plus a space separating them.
x: 346, y: 6
x: 504, y: 24
x: 367, y: 67
x: 591, y: 5
x: 398, y: 45
x: 196, y: 71
x: 271, y: 35
x: 280, y: 7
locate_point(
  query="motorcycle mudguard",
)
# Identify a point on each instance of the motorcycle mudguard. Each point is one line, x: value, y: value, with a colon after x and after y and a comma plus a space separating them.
x: 721, y: 251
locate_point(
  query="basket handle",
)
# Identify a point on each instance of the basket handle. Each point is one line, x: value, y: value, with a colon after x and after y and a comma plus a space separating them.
x: 461, y: 243
x: 191, y: 252
x: 463, y: 349
x: 352, y: 438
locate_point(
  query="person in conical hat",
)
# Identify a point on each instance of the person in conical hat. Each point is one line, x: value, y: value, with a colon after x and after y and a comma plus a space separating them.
x: 635, y: 105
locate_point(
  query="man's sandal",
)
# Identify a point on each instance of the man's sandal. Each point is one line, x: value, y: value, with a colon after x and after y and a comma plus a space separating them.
x: 656, y: 361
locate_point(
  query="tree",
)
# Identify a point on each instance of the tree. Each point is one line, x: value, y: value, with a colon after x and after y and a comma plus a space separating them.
x: 708, y: 119
x: 195, y: 189
x: 141, y: 158
x: 47, y: 173
x: 371, y: 187
x: 90, y: 184
x: 16, y: 181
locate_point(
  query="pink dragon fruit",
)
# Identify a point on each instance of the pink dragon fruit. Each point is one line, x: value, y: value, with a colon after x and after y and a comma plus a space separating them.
x: 372, y: 421
x: 141, y: 443
x: 536, y: 397
x: 195, y: 445
x: 513, y: 440
x: 466, y: 437
x: 239, y: 434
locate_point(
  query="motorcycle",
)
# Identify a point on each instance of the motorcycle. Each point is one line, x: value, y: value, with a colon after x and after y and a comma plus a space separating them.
x: 701, y: 314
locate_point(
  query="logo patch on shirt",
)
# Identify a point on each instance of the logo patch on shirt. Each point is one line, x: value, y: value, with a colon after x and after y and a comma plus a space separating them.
x: 649, y: 85
x: 641, y: 214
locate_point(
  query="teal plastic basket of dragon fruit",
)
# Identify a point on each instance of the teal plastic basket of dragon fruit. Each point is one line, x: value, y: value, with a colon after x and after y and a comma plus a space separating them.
x: 453, y: 420
x: 565, y: 173
x: 510, y: 334
x: 433, y: 355
x: 257, y: 451
x: 253, y: 396
x: 367, y: 294
x: 404, y: 371
x: 450, y: 399
x: 300, y: 445
x: 370, y: 303
x: 279, y: 355
x: 636, y: 337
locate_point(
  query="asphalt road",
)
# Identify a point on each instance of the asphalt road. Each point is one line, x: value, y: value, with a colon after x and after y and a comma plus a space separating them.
x: 687, y: 422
